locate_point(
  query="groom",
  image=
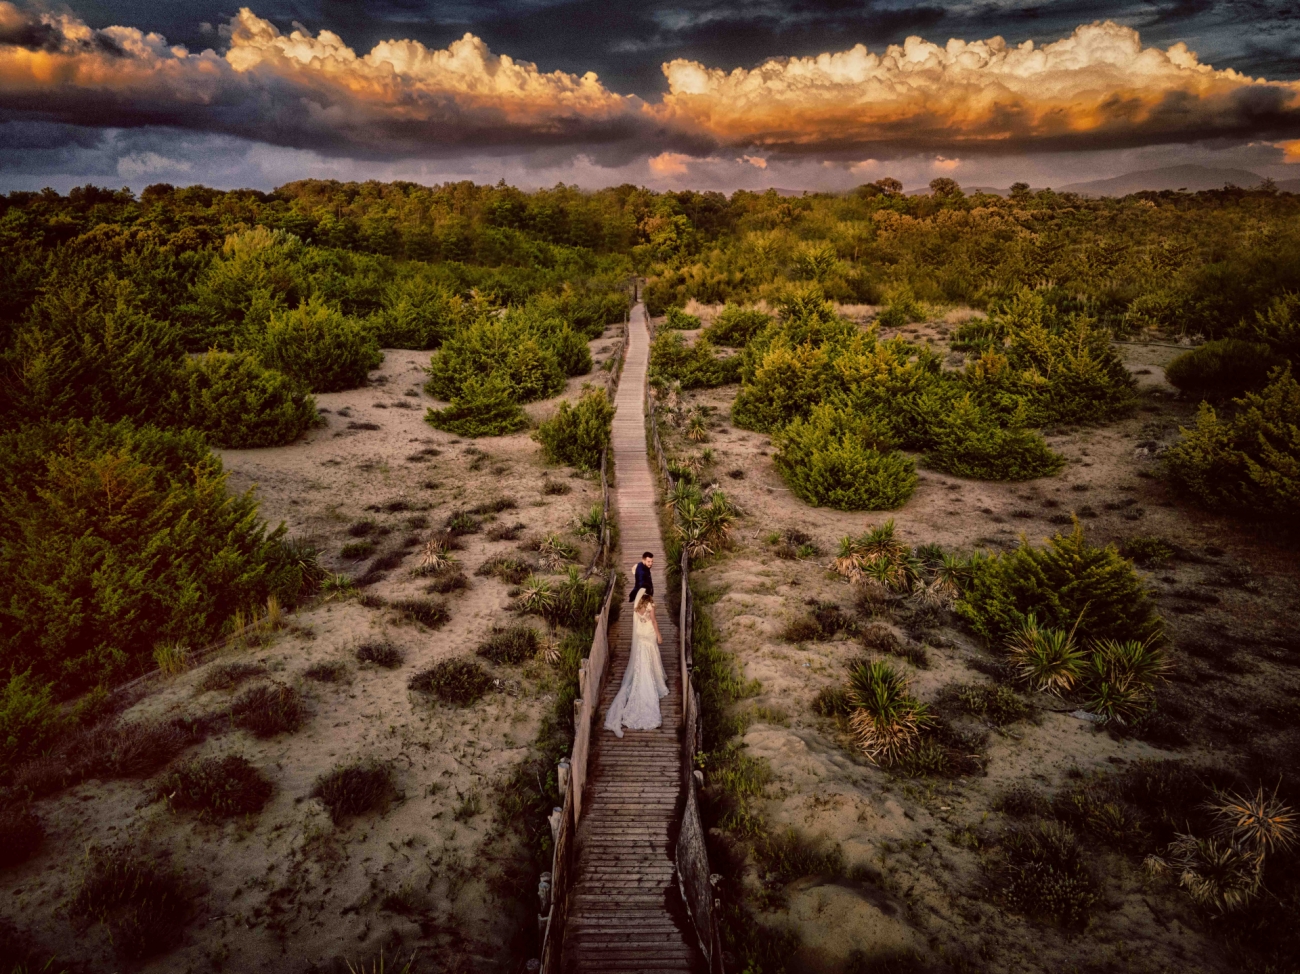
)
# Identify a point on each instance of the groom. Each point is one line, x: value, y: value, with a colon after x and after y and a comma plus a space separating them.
x: 643, y: 579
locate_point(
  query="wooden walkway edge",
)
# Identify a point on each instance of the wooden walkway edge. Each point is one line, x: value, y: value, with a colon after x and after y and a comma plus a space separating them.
x: 625, y: 912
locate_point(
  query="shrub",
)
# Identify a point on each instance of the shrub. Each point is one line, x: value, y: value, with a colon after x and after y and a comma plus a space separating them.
x: 1222, y: 369
x: 427, y: 612
x: 21, y: 834
x: 576, y: 435
x: 734, y: 326
x: 1148, y: 550
x: 144, y: 904
x: 512, y: 645
x: 221, y: 787
x: 357, y: 550
x: 843, y: 461
x: 227, y: 676
x: 237, y: 402
x: 509, y: 569
x: 1048, y: 660
x: 355, y: 789
x: 29, y: 720
x: 383, y: 654
x: 447, y: 582
x: 480, y: 407
x: 998, y: 704
x: 503, y: 350
x: 321, y: 348
x: 832, y: 702
x: 970, y: 442
x: 1022, y: 800
x: 88, y: 509
x: 886, y: 721
x: 1248, y: 464
x: 1066, y: 584
x: 329, y: 671
x: 1046, y: 874
x: 268, y: 709
x: 417, y: 313
x: 695, y: 366
x: 677, y: 318
x: 455, y: 681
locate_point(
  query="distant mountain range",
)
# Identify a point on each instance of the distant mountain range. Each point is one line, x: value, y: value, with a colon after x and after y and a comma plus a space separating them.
x: 1191, y: 178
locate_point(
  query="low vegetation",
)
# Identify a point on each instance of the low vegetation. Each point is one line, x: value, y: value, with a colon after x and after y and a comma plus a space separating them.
x: 143, y: 903
x: 460, y: 682
x: 220, y: 787
x: 577, y: 435
x: 355, y: 789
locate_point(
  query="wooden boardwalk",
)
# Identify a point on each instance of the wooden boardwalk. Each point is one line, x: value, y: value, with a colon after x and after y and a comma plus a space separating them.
x: 626, y: 914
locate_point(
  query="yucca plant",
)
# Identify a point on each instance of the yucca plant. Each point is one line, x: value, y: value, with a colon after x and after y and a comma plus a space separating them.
x: 1216, y: 874
x: 693, y: 528
x: 1120, y: 677
x: 886, y: 720
x: 1257, y: 823
x: 878, y: 544
x: 555, y: 551
x: 951, y: 575
x: 434, y: 556
x: 682, y: 491
x: 1048, y: 660
x: 719, y: 516
x: 536, y: 595
x: 696, y: 431
x: 590, y: 524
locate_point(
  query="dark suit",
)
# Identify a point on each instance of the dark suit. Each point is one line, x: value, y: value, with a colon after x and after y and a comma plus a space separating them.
x: 643, y: 580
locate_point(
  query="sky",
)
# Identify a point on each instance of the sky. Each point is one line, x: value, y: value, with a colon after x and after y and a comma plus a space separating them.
x: 796, y: 94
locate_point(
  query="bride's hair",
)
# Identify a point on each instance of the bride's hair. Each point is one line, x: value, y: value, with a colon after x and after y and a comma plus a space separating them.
x: 645, y: 600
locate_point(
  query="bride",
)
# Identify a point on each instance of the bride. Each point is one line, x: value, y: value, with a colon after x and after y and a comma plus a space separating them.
x: 637, y: 705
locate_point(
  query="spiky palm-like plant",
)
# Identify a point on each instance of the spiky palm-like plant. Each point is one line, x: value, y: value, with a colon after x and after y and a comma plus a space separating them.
x: 590, y: 524
x: 1257, y: 823
x: 1121, y: 677
x: 1216, y: 874
x: 555, y: 551
x: 682, y: 491
x: 434, y: 555
x: 696, y: 431
x: 951, y: 575
x: 536, y: 595
x: 886, y: 720
x: 693, y: 528
x: 1046, y: 659
x: 858, y: 554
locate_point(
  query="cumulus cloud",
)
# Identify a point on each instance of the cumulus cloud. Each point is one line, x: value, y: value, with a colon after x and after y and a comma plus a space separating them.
x: 1098, y: 87
x: 401, y: 98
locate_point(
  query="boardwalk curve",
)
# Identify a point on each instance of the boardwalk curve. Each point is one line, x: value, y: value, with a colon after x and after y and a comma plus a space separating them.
x: 625, y: 912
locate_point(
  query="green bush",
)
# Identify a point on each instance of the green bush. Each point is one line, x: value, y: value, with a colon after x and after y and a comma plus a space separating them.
x: 841, y: 460
x: 29, y: 720
x: 455, y: 681
x: 734, y: 326
x: 969, y: 442
x: 222, y: 787
x: 88, y: 351
x: 144, y: 904
x: 694, y: 366
x: 1065, y: 584
x: 417, y: 313
x: 237, y: 402
x: 1249, y: 462
x: 354, y: 789
x: 118, y: 538
x: 513, y: 645
x: 531, y: 352
x: 577, y: 434
x: 318, y: 346
x: 783, y: 384
x: 1277, y: 326
x: 482, y: 407
x: 680, y: 320
x: 1046, y: 874
x: 1222, y: 369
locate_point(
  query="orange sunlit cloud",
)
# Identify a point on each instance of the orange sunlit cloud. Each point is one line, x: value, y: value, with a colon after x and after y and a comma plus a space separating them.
x: 1097, y: 87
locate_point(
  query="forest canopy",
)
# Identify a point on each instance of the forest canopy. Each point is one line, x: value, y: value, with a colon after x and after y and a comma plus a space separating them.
x: 137, y: 333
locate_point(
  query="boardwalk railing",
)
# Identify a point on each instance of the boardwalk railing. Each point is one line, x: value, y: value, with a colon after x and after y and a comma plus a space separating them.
x: 691, y: 857
x: 553, y: 892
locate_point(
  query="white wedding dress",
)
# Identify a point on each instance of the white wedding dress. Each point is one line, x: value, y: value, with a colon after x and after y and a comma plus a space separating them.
x: 636, y: 706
